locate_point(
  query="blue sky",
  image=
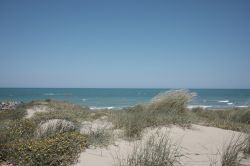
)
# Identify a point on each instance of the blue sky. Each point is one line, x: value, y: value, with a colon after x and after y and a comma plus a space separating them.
x: 118, y: 44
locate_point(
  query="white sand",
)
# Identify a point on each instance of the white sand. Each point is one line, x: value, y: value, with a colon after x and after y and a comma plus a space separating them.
x: 40, y: 108
x: 199, y: 145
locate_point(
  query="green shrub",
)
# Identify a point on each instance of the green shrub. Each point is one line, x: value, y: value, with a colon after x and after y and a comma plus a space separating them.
x: 157, y: 150
x: 59, y: 149
x: 18, y: 129
x: 171, y: 101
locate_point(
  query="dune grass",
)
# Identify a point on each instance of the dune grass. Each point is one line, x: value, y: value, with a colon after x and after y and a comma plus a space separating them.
x: 17, y: 113
x: 247, y: 148
x: 54, y: 126
x: 164, y: 109
x: 171, y: 101
x: 231, y: 152
x: 156, y: 150
x: 100, y: 137
x: 232, y: 119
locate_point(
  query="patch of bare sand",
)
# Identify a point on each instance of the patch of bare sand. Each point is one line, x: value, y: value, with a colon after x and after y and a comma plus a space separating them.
x: 39, y: 108
x: 199, y: 145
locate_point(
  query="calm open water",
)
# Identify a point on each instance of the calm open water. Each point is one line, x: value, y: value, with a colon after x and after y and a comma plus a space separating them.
x: 112, y: 98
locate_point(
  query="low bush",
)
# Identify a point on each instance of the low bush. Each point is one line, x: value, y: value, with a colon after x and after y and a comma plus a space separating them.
x: 18, y: 129
x: 157, y: 150
x: 60, y: 149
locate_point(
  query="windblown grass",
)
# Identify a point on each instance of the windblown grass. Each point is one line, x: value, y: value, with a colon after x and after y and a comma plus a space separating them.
x: 171, y: 101
x: 54, y: 126
x: 231, y: 151
x: 157, y: 150
x: 100, y: 137
x: 247, y: 148
x: 232, y: 119
x: 164, y: 109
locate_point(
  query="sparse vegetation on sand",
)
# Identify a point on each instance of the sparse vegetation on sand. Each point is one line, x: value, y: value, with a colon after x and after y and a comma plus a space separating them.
x: 231, y: 151
x: 232, y: 119
x: 156, y: 150
x: 52, y: 137
x: 164, y: 109
x: 46, y: 138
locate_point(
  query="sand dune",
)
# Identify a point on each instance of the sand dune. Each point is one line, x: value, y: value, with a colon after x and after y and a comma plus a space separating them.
x: 199, y: 145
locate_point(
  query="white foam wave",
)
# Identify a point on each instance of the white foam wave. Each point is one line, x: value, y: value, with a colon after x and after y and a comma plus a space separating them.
x: 101, y: 108
x: 57, y: 94
x: 49, y: 94
x: 198, y: 106
x: 223, y: 101
x: 242, y: 106
x: 84, y: 100
x: 230, y: 103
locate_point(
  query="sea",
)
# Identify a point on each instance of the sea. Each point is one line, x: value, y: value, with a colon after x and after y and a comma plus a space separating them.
x: 115, y: 98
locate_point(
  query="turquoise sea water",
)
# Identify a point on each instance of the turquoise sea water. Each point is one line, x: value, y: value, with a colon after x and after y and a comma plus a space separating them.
x: 116, y: 98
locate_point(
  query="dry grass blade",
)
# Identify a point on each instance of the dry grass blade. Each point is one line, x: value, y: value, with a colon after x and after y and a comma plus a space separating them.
x: 231, y: 152
x: 157, y: 150
x: 54, y: 126
x: 171, y: 101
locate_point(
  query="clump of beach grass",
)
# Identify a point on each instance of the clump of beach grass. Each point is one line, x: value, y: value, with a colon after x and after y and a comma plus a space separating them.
x: 230, y: 155
x: 171, y: 101
x: 247, y: 148
x: 100, y: 137
x: 231, y: 119
x: 156, y: 150
x: 54, y: 126
x: 164, y: 109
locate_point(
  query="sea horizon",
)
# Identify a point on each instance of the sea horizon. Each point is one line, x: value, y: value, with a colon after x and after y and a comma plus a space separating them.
x: 117, y: 98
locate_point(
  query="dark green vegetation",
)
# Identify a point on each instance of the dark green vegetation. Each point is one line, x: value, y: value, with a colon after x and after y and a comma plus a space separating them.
x: 59, y: 149
x: 47, y: 138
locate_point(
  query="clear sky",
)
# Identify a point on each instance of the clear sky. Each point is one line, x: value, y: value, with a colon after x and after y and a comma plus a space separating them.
x: 118, y: 44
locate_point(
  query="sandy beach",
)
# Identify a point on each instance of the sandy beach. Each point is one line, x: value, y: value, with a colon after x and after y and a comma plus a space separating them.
x: 200, y: 145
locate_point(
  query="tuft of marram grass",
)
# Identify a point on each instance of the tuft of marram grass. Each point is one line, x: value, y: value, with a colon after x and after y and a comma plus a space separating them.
x: 54, y: 126
x: 157, y: 150
x: 100, y: 137
x: 171, y: 101
x: 231, y: 152
x: 247, y: 148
